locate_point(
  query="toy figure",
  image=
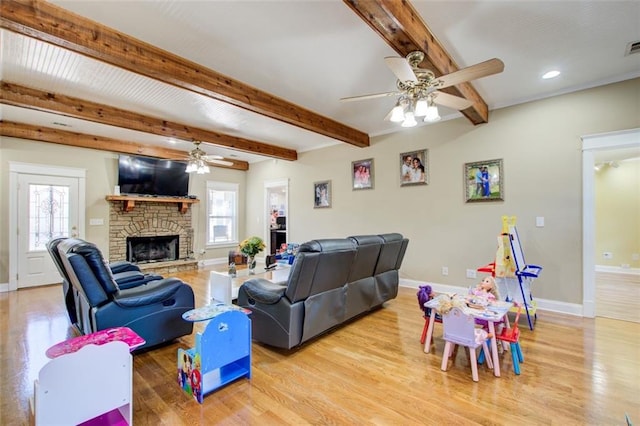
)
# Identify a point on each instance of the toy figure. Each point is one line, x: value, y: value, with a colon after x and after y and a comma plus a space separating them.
x: 196, y: 379
x: 485, y: 292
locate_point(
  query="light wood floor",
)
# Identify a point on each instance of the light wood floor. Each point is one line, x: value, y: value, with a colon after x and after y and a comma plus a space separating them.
x: 372, y: 371
x: 618, y: 296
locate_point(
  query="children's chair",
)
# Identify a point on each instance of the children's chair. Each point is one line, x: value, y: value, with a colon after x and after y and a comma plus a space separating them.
x: 459, y: 329
x: 512, y: 336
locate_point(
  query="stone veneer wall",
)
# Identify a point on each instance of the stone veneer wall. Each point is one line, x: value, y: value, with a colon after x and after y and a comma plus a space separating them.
x: 147, y: 219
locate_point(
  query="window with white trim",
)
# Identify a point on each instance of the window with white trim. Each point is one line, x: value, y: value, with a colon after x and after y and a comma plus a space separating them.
x: 222, y: 213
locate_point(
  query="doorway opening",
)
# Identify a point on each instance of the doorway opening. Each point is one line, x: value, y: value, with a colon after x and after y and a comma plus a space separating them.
x: 277, y: 215
x: 591, y: 146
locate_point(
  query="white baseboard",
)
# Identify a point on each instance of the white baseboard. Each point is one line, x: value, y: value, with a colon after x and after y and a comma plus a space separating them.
x: 4, y: 287
x: 617, y: 270
x: 543, y: 304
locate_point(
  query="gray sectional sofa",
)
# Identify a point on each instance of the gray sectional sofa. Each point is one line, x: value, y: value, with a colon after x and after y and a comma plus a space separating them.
x: 331, y: 281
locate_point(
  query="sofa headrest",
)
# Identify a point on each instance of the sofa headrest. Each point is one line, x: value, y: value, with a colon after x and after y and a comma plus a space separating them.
x: 95, y: 260
x: 388, y: 238
x: 327, y: 245
x: 89, y: 284
x: 363, y: 240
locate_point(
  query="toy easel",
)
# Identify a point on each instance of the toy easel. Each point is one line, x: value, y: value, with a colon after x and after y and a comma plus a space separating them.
x: 513, y: 275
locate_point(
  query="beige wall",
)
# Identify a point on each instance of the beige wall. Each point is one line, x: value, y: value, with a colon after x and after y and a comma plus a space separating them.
x: 541, y: 148
x: 101, y: 177
x: 617, y: 192
x: 538, y: 141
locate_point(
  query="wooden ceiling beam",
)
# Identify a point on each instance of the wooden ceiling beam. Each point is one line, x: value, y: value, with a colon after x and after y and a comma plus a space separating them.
x: 25, y: 97
x: 402, y: 27
x: 52, y: 24
x: 63, y: 137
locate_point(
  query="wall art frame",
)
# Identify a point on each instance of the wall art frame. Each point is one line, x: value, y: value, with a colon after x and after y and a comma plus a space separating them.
x: 362, y: 174
x: 483, y: 181
x: 414, y: 168
x: 322, y: 194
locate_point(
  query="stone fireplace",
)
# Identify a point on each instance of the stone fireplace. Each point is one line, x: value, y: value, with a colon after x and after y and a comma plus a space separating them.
x: 153, y: 249
x: 159, y: 230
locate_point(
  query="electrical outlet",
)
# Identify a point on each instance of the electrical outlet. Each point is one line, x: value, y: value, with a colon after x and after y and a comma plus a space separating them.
x: 445, y: 270
x: 471, y: 273
x: 635, y: 257
x: 607, y: 255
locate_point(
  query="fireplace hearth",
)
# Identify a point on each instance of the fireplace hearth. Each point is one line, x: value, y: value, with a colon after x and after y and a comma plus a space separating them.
x: 153, y: 249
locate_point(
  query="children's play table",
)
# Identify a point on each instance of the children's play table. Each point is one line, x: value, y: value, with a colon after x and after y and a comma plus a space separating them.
x: 493, y: 313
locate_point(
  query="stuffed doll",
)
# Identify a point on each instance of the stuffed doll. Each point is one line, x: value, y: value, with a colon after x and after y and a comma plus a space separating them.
x: 485, y: 292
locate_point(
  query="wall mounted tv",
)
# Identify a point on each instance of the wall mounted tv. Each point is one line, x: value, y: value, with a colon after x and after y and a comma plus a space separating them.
x: 152, y: 176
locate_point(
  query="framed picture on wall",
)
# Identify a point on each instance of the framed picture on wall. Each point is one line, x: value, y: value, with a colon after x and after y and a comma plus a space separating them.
x: 483, y: 181
x: 362, y: 174
x: 413, y: 168
x: 322, y: 194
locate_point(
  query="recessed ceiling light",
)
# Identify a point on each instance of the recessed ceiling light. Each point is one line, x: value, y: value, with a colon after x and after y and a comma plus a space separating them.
x: 551, y: 74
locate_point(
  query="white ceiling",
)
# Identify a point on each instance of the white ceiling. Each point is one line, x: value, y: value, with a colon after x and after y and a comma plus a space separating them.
x: 312, y: 53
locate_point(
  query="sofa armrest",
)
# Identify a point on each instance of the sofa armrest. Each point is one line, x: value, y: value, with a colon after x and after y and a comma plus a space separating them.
x: 123, y: 266
x: 264, y: 291
x: 149, y: 293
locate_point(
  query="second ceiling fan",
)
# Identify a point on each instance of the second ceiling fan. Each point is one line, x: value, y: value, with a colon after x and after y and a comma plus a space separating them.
x: 418, y: 88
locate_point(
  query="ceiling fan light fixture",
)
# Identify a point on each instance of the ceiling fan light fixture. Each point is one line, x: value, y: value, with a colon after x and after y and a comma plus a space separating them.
x: 409, y: 119
x: 397, y: 113
x: 421, y: 107
x: 432, y: 115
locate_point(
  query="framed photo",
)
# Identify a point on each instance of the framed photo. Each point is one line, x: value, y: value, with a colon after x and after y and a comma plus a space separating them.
x: 413, y: 168
x: 322, y: 194
x: 362, y: 174
x: 483, y: 181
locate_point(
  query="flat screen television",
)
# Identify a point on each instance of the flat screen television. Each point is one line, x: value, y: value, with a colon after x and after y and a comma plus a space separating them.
x: 152, y: 176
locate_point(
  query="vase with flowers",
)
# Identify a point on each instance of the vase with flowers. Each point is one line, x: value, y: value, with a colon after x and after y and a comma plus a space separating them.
x: 251, y: 247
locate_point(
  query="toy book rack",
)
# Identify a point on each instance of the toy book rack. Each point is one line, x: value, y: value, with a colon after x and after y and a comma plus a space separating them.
x: 513, y: 275
x: 222, y: 352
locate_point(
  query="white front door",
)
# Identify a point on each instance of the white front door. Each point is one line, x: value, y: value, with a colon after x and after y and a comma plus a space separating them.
x: 48, y: 207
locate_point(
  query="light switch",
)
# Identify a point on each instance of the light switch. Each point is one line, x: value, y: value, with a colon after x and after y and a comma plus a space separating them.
x: 96, y: 221
x: 540, y: 221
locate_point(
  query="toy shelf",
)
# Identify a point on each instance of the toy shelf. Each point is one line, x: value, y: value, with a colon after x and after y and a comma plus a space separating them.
x: 222, y: 352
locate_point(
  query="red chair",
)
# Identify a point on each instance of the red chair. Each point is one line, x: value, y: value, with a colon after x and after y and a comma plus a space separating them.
x: 512, y: 336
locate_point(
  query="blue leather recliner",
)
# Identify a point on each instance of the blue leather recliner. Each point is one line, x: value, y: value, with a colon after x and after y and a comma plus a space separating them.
x: 126, y: 274
x: 153, y: 309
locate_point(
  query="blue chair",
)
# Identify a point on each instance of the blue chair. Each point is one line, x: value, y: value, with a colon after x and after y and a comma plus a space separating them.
x: 152, y: 310
x: 126, y: 275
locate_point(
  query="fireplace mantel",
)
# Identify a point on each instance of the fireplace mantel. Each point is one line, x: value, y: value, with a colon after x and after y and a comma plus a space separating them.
x: 129, y: 201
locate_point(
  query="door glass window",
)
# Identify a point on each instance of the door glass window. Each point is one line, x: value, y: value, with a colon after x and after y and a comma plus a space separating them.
x: 48, y: 214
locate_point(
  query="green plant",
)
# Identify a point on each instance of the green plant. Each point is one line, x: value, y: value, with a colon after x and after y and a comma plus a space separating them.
x: 252, y: 246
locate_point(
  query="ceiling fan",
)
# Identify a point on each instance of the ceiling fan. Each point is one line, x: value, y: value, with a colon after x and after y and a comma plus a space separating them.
x: 418, y: 88
x: 199, y: 160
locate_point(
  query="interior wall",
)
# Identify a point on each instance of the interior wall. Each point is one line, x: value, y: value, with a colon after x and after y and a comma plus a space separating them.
x: 540, y: 145
x: 617, y: 210
x: 102, y: 176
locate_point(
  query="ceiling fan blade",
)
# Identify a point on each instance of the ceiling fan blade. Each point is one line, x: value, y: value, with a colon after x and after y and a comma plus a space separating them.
x: 483, y: 69
x: 451, y: 101
x: 371, y: 96
x: 401, y: 68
